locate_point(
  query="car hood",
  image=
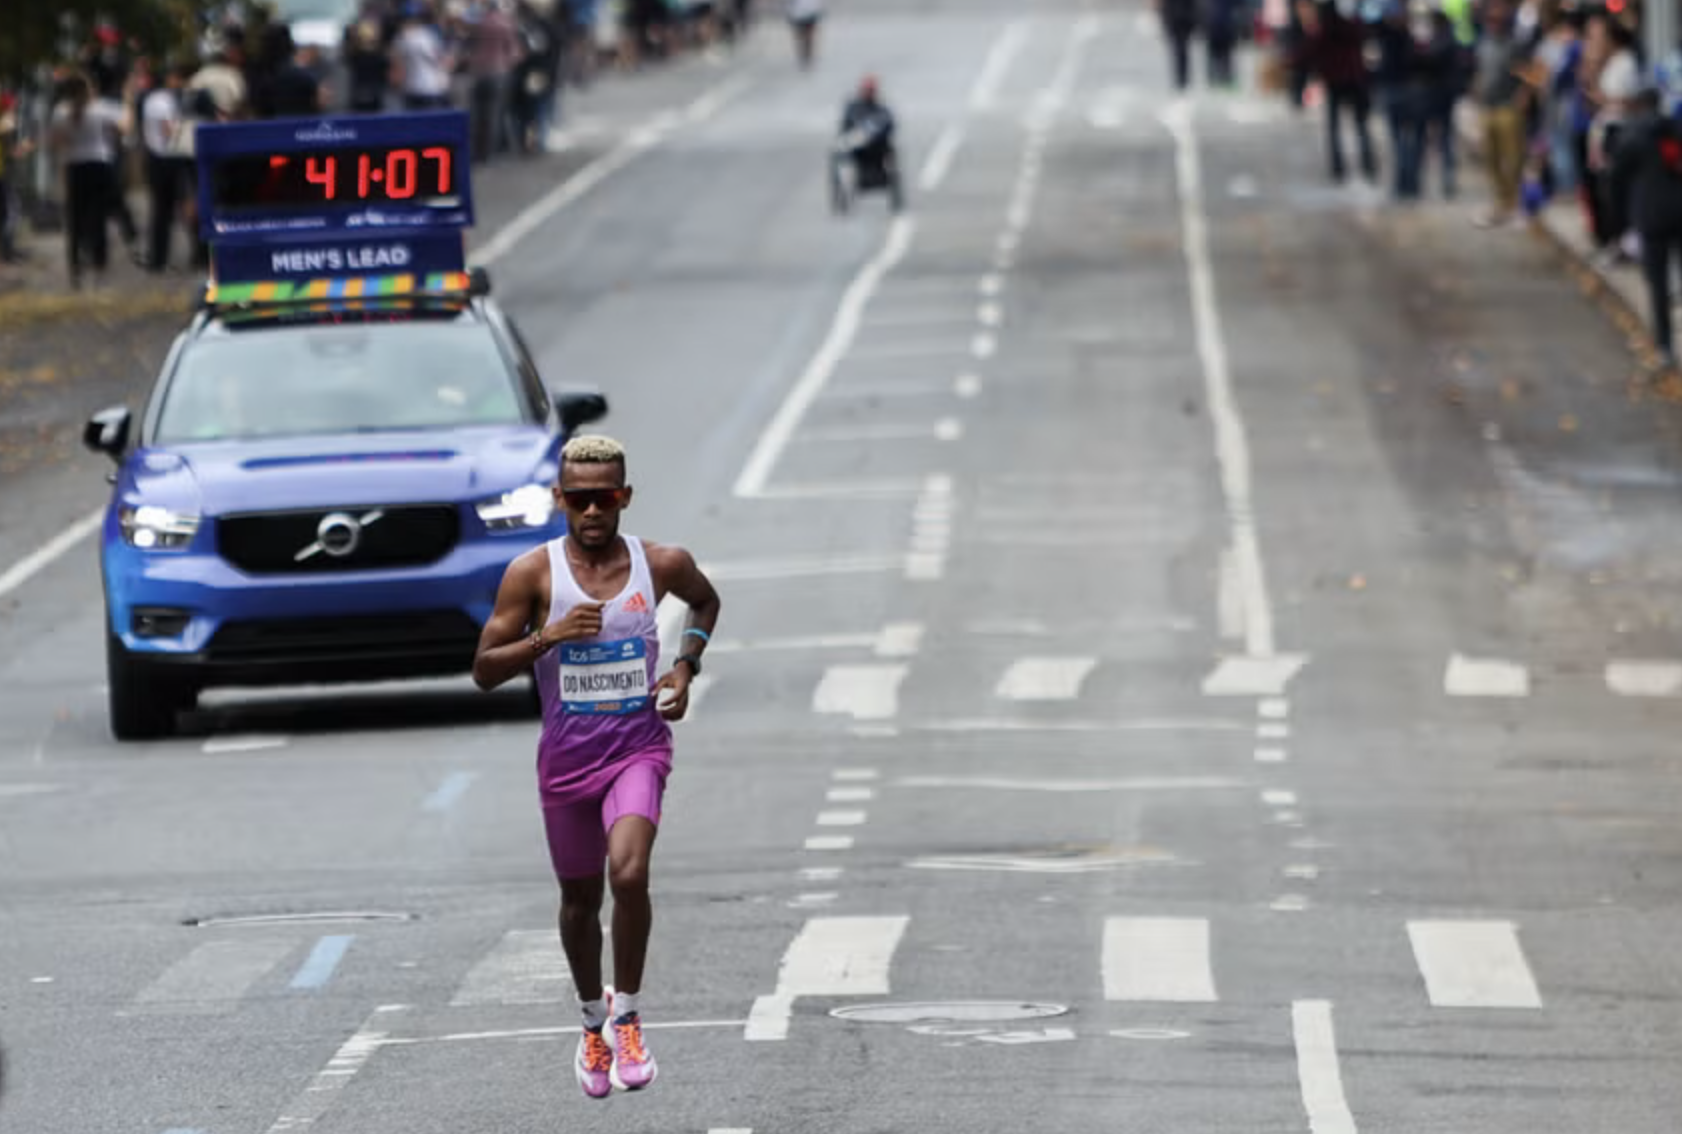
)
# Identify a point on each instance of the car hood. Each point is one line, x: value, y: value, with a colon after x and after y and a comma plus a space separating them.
x: 217, y: 478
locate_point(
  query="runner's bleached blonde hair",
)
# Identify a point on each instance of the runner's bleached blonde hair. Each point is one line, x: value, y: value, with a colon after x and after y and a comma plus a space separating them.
x: 593, y: 449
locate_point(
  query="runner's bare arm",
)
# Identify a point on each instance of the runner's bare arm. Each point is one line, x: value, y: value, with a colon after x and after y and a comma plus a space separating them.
x: 505, y: 645
x: 675, y: 573
x: 515, y: 635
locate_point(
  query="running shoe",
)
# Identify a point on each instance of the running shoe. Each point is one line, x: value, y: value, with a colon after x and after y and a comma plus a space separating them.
x: 594, y: 1065
x: 633, y: 1066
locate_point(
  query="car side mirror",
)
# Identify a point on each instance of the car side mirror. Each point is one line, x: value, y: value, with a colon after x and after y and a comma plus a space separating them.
x: 578, y: 409
x: 107, y: 431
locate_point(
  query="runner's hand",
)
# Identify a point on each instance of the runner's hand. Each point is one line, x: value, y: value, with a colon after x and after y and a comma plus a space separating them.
x: 582, y: 621
x: 676, y: 682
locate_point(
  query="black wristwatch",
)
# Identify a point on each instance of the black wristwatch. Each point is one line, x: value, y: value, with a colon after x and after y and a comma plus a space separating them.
x: 694, y: 661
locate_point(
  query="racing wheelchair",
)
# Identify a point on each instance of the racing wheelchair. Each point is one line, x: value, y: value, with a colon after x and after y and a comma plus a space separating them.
x: 860, y: 163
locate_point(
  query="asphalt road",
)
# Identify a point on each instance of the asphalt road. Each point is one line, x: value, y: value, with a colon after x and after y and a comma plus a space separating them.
x: 1159, y: 587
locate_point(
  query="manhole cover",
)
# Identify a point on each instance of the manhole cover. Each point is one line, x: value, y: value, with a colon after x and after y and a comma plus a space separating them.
x: 294, y: 918
x: 1053, y: 860
x: 949, y: 1011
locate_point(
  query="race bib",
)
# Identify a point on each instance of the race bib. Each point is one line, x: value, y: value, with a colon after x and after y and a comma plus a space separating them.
x: 604, y: 677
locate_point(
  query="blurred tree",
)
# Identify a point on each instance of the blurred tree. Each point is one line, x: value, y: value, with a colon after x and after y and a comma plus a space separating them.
x: 37, y: 32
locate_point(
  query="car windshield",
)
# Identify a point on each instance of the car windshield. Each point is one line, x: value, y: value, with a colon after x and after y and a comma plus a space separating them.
x: 304, y: 380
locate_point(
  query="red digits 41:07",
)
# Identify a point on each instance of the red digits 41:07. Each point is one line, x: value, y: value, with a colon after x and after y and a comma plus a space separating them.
x: 400, y: 176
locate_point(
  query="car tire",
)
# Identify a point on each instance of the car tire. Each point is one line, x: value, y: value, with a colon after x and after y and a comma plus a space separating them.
x: 140, y: 704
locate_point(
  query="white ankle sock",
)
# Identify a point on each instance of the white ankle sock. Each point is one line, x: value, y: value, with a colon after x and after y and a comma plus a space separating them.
x: 595, y: 1014
x: 624, y: 1004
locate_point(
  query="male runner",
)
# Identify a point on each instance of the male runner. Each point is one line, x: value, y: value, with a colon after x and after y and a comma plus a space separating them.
x: 606, y: 748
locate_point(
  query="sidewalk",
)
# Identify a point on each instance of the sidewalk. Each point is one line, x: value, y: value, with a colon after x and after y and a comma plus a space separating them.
x: 1618, y: 289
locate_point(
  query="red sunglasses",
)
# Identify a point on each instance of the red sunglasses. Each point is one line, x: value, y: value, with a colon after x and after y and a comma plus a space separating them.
x: 605, y: 499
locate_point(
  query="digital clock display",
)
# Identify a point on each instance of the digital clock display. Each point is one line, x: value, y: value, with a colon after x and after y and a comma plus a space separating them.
x: 423, y: 175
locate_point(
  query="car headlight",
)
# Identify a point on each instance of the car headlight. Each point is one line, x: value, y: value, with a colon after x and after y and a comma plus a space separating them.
x: 154, y: 528
x: 529, y: 506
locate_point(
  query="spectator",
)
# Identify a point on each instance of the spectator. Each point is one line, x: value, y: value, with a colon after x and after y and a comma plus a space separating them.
x: 84, y: 143
x: 12, y: 150
x: 367, y: 66
x: 1646, y: 171
x: 162, y: 118
x: 1502, y: 98
x: 493, y: 52
x: 284, y: 87
x: 1443, y: 63
x: 1220, y: 37
x: 1615, y: 90
x: 1333, y: 47
x: 537, y: 80
x: 1179, y: 24
x: 420, y: 62
x: 1401, y: 86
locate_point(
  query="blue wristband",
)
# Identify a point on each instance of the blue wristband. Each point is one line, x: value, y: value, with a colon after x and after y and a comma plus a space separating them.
x: 699, y: 633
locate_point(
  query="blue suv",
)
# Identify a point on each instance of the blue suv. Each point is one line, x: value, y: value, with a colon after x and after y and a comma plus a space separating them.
x: 322, y: 492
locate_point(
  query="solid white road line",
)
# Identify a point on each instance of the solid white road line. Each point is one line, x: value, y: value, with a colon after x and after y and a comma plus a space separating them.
x: 865, y: 692
x: 831, y: 956
x: 640, y: 140
x: 30, y: 565
x: 1317, y: 1068
x: 1485, y: 677
x: 940, y: 157
x: 1644, y: 678
x: 1232, y: 444
x: 775, y: 438
x: 999, y: 58
x: 1157, y: 959
x: 526, y: 967
x: 1473, y: 964
x: 211, y: 979
x: 1044, y: 679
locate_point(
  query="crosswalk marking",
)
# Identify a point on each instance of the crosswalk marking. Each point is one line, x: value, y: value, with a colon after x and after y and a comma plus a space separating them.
x: 213, y: 977
x: 1644, y: 678
x: 841, y: 818
x: 1473, y: 964
x: 526, y: 967
x: 1157, y: 959
x: 865, y: 692
x: 831, y: 956
x: 1485, y: 677
x: 1044, y: 678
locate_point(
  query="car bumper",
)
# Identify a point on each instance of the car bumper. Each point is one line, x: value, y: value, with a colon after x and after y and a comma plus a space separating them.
x: 214, y: 624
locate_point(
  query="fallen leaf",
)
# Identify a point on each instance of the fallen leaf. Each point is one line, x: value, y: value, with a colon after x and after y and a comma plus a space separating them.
x: 1357, y: 582
x: 1567, y: 423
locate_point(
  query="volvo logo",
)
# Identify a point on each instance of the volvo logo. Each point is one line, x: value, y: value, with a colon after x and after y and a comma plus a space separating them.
x: 338, y: 534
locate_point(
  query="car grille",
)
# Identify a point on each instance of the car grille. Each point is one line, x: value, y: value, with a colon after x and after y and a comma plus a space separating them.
x: 268, y: 543
x: 418, y: 634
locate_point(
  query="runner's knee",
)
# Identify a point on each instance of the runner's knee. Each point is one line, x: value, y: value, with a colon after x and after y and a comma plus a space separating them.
x: 628, y: 873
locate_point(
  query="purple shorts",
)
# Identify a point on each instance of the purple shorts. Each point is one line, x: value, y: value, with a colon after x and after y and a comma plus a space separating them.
x: 577, y: 832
